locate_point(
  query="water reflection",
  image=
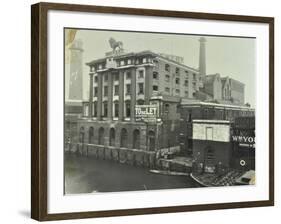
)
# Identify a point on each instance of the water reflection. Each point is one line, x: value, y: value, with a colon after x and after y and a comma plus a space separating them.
x: 87, y: 175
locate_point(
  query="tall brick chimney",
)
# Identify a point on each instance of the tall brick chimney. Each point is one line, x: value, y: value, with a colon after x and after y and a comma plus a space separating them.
x: 202, y: 57
x: 76, y: 71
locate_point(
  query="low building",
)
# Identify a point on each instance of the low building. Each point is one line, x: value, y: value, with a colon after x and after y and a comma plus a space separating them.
x: 72, y: 113
x: 191, y: 110
x: 211, y: 146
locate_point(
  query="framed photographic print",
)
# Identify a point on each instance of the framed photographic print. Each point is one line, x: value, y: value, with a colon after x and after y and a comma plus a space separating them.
x: 140, y: 111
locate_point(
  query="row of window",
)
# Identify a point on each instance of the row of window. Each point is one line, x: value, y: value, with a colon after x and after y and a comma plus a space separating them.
x: 155, y: 76
x: 115, y: 110
x: 130, y: 61
x: 127, y: 90
x: 177, y: 71
x: 140, y: 90
x: 124, y: 62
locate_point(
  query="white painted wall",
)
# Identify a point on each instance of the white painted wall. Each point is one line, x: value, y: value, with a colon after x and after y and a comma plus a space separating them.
x: 214, y: 130
x: 15, y: 112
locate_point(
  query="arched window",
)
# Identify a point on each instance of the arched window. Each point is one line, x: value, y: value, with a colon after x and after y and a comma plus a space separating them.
x: 124, y: 138
x: 81, y: 135
x: 167, y: 108
x: 151, y: 140
x: 136, y: 139
x: 101, y: 136
x: 91, y: 135
x: 112, y: 137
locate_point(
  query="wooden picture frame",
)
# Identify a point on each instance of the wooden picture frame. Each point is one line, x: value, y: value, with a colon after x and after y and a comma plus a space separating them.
x: 39, y: 109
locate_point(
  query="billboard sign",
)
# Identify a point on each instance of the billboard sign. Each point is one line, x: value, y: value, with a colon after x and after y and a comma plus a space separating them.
x: 247, y: 141
x: 146, y: 113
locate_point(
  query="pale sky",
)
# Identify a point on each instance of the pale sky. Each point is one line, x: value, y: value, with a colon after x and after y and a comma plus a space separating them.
x: 228, y: 56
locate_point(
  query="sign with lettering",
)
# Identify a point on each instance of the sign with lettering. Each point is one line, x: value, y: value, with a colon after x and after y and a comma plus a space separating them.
x: 146, y: 113
x: 247, y: 141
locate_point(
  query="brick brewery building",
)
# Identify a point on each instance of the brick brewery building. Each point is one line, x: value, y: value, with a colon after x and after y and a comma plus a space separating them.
x: 121, y: 81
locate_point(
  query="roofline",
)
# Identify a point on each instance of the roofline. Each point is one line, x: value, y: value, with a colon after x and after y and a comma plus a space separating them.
x: 216, y: 105
x: 142, y: 53
x: 211, y: 121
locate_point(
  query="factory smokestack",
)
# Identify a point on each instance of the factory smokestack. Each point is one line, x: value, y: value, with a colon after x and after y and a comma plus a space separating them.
x: 202, y: 57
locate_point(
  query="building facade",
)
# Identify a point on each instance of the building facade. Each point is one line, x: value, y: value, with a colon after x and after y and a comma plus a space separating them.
x: 243, y: 143
x: 120, y: 81
x: 196, y: 110
x: 211, y: 146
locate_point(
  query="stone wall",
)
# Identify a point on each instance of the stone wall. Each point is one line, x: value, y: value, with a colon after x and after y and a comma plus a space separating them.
x: 122, y: 155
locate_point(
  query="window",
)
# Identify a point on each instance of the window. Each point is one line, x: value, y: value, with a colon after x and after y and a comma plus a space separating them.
x: 96, y: 78
x: 167, y: 67
x: 96, y: 91
x: 112, y: 137
x: 167, y: 89
x: 177, y: 80
x: 100, y: 66
x: 91, y: 135
x: 105, y: 77
x: 122, y: 63
x: 128, y: 108
x: 177, y: 91
x: 81, y: 135
x: 95, y: 109
x: 167, y: 107
x: 116, y: 76
x: 128, y: 89
x: 155, y: 88
x: 167, y: 78
x: 141, y: 74
x: 128, y: 75
x: 141, y: 88
x: 124, y: 138
x: 116, y: 90
x: 194, y: 76
x: 186, y: 73
x: 105, y: 109
x: 186, y: 93
x: 155, y: 75
x: 177, y: 70
x: 101, y: 136
x: 178, y: 108
x: 144, y: 60
x: 156, y: 63
x: 105, y: 91
x: 129, y: 61
x: 116, y: 109
x: 140, y: 102
x: 194, y: 85
x: 186, y: 82
x: 190, y: 116
x: 136, y: 139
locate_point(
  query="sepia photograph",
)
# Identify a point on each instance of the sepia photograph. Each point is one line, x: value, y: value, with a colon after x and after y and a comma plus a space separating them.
x: 152, y: 111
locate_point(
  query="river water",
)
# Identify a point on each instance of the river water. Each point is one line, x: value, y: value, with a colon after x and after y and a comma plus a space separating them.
x: 87, y: 175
